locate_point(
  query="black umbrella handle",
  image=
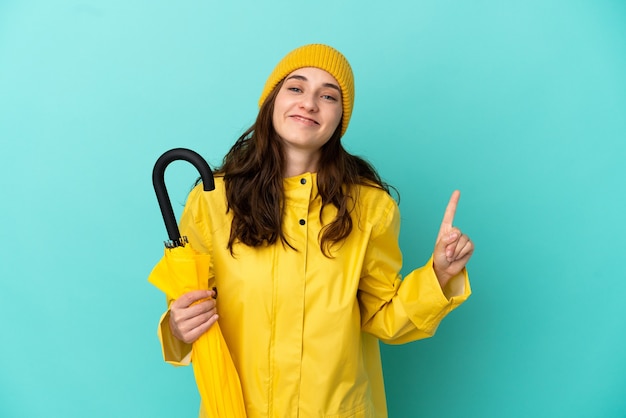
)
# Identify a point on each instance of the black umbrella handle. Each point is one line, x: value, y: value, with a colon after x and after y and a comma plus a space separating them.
x: 158, y: 181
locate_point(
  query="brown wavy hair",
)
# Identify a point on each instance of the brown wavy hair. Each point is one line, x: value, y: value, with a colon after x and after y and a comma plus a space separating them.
x: 253, y: 176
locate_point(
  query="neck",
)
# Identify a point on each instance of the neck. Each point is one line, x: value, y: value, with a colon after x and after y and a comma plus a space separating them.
x: 299, y: 162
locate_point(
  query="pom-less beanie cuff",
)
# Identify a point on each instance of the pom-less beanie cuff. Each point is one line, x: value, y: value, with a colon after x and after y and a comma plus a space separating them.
x: 319, y: 56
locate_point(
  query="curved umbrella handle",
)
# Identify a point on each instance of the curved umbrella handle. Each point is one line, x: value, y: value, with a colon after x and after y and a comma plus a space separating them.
x: 158, y: 181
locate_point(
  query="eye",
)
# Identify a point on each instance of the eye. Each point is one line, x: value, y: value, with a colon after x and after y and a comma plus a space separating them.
x: 294, y: 89
x: 329, y: 98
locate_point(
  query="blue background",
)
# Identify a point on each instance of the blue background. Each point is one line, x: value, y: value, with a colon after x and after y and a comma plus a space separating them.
x: 521, y: 105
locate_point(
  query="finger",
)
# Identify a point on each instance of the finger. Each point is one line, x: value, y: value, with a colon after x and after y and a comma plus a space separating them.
x: 182, y: 314
x: 460, y: 245
x: 450, y: 250
x: 466, y: 251
x: 452, y: 235
x: 448, y: 216
x: 195, y: 333
x: 447, y: 243
x: 190, y: 297
x: 196, y: 321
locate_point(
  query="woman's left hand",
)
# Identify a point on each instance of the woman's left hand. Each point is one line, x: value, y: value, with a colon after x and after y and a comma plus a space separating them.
x: 453, y: 249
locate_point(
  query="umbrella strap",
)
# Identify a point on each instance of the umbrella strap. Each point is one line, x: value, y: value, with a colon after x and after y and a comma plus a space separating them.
x: 180, y: 242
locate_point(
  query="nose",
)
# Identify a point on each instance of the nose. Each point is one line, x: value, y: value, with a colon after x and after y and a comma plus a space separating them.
x: 309, y: 102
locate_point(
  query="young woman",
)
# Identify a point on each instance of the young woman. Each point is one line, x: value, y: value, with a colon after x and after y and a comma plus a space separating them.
x: 303, y: 239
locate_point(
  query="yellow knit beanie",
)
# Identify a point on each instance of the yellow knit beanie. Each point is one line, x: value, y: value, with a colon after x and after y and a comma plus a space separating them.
x: 318, y: 56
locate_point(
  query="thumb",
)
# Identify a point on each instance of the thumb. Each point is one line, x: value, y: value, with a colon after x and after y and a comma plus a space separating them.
x: 446, y: 244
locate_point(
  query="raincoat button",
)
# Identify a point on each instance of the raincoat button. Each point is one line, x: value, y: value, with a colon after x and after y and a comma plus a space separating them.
x: 302, y: 221
x: 302, y: 181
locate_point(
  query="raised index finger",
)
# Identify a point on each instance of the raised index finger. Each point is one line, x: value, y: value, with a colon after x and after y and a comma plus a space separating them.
x: 448, y: 216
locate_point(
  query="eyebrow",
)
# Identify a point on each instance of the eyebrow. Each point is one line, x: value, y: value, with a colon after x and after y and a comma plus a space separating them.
x: 303, y: 78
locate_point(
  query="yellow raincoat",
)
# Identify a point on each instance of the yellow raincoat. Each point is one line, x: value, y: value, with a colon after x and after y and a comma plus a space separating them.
x: 301, y: 326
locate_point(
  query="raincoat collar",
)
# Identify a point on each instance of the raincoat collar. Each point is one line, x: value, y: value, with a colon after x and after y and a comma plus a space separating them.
x: 301, y: 189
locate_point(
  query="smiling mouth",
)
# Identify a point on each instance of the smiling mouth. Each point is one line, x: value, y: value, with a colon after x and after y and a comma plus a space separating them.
x: 304, y: 120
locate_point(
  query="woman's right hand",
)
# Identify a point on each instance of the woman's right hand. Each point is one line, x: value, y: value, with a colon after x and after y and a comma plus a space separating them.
x: 188, y: 319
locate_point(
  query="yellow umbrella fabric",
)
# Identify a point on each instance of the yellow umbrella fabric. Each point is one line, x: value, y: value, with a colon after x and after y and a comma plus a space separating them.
x: 181, y: 270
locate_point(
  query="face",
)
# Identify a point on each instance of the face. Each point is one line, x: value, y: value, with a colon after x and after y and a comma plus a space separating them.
x: 307, y: 109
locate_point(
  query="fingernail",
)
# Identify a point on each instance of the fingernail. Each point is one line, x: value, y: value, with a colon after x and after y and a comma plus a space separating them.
x: 453, y: 236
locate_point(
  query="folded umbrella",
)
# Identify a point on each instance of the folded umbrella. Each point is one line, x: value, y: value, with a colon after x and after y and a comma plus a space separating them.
x: 182, y: 269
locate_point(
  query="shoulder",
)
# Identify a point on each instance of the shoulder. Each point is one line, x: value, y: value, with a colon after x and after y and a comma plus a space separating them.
x: 207, y: 203
x: 372, y: 195
x: 198, y: 191
x: 375, y: 206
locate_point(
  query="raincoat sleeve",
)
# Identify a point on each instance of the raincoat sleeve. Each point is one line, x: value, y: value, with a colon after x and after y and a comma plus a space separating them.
x: 193, y: 226
x: 395, y: 310
x: 175, y: 351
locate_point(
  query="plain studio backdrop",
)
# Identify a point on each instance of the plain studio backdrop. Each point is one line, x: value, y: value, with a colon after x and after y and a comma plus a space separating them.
x: 520, y: 104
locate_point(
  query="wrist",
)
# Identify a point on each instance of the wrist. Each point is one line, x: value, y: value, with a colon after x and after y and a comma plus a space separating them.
x: 442, y: 277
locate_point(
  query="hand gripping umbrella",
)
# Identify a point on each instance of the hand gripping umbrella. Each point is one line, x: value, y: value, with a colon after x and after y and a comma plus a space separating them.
x: 181, y: 270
